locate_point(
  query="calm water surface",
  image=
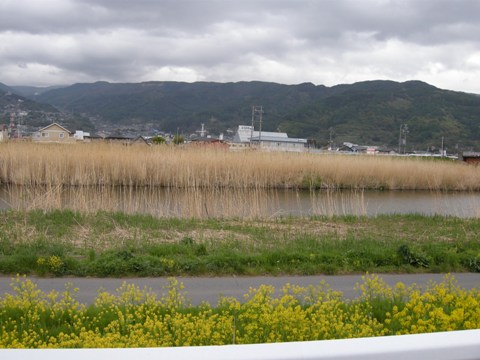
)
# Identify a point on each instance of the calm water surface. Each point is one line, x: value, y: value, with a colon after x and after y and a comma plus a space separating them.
x: 242, y: 203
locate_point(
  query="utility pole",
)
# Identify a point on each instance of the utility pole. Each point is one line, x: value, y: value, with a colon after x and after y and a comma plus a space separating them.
x: 202, y: 132
x: 332, y: 134
x: 17, y: 110
x: 253, y: 125
x: 402, y: 138
x: 257, y: 113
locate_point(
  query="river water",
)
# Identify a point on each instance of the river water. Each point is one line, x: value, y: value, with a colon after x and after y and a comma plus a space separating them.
x: 241, y: 203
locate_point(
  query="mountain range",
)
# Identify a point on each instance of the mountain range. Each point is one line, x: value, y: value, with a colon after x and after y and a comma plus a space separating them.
x: 370, y: 112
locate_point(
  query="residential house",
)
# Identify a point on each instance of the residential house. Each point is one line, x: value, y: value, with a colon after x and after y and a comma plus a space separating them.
x: 142, y: 140
x: 53, y: 133
x: 471, y: 157
x: 364, y: 149
x: 124, y: 140
x: 209, y: 142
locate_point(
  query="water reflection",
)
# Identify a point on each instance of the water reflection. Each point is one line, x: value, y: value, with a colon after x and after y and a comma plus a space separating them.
x: 245, y: 203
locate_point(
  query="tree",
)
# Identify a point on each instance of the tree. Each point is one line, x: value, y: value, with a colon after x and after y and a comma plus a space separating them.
x: 178, y: 139
x: 158, y: 140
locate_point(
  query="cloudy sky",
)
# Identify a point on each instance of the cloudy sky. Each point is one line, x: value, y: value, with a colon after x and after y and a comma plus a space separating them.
x: 49, y: 42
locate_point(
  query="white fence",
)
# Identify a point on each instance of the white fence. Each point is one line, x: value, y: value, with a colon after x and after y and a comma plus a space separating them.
x: 464, y: 345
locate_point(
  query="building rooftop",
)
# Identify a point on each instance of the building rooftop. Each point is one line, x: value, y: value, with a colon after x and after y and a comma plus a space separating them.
x: 471, y: 154
x: 244, y: 133
x: 278, y: 139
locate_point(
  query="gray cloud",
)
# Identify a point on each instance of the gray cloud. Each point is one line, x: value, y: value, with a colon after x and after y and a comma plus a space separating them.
x: 290, y: 41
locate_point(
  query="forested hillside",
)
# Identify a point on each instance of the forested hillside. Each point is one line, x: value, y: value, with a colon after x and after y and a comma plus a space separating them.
x: 367, y: 112
x: 35, y: 114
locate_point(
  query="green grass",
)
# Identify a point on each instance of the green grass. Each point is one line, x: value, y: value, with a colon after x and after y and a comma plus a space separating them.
x: 60, y: 243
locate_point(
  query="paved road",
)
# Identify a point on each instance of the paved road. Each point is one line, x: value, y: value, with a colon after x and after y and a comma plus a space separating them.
x: 210, y: 289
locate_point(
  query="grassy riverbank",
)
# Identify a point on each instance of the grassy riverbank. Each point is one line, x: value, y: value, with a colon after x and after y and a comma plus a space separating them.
x: 61, y: 243
x: 51, y: 165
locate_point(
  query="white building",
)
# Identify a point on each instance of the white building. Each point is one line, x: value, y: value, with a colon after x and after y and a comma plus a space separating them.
x: 278, y: 143
x: 81, y: 135
x: 245, y: 132
x: 269, y: 141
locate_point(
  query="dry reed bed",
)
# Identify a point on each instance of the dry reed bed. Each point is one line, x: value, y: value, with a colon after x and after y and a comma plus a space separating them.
x: 33, y: 164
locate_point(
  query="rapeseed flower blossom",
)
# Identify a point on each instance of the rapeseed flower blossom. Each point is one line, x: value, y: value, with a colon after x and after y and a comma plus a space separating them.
x: 133, y: 317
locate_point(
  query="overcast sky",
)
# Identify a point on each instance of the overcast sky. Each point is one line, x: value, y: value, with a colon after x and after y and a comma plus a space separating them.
x: 49, y: 42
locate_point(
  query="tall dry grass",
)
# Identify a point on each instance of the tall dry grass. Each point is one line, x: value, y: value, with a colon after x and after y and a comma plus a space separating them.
x: 33, y: 164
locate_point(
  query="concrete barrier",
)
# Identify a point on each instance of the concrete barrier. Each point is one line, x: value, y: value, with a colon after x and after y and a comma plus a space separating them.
x: 455, y: 345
